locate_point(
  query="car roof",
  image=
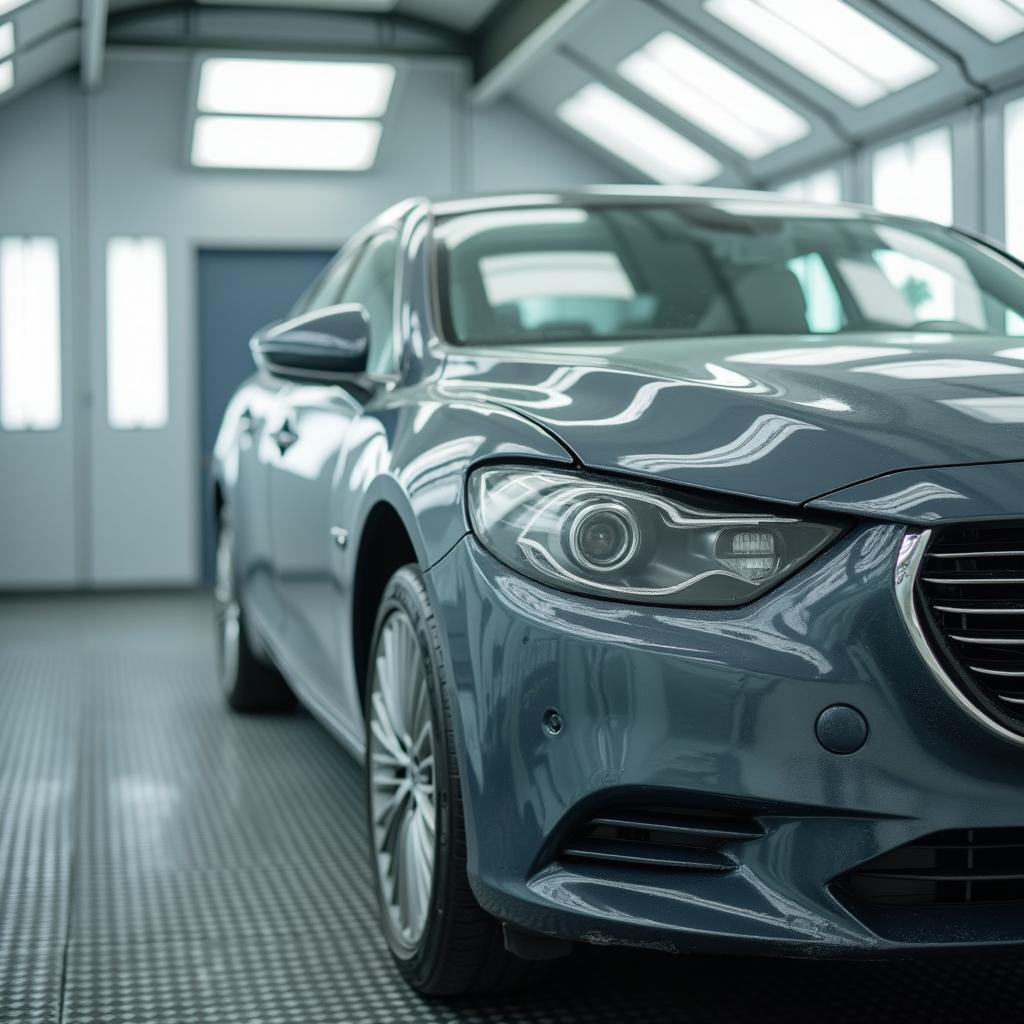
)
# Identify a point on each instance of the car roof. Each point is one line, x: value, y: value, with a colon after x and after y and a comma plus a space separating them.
x: 627, y: 195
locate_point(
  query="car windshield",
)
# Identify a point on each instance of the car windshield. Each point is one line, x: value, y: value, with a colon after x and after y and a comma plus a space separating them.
x: 721, y: 267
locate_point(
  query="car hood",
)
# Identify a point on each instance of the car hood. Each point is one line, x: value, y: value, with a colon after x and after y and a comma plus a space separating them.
x: 780, y: 418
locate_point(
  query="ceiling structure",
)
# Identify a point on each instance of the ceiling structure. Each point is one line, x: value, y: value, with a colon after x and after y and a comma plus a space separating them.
x: 727, y: 91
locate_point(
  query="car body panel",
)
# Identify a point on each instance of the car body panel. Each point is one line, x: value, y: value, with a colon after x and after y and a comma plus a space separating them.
x: 991, y: 490
x: 710, y: 706
x: 780, y: 418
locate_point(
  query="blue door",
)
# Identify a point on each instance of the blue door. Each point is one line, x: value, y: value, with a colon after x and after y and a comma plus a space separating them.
x: 239, y: 292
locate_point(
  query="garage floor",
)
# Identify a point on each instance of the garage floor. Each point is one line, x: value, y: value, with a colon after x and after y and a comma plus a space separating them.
x: 163, y: 860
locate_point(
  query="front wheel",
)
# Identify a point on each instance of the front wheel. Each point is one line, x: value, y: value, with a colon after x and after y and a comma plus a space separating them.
x: 248, y: 683
x: 441, y: 939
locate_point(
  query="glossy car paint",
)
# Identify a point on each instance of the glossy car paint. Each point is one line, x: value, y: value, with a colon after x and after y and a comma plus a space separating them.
x: 715, y: 707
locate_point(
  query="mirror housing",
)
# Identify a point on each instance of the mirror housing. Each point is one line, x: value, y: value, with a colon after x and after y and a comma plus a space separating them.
x: 324, y: 345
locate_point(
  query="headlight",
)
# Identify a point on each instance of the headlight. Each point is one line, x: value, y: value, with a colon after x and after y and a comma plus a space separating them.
x: 606, y: 540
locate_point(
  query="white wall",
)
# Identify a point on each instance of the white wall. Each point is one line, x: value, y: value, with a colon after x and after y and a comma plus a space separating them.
x: 91, y: 506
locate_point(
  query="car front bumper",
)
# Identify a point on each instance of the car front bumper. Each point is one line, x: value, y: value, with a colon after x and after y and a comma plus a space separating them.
x: 716, y: 709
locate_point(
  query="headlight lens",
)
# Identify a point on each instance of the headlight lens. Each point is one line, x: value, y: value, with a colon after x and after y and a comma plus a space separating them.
x: 606, y: 540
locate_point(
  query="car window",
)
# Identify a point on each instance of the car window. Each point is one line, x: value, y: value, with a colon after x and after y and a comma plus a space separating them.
x: 373, y: 285
x: 326, y: 289
x: 706, y: 269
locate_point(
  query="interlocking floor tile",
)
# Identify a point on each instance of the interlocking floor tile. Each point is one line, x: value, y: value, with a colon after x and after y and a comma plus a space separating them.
x: 164, y: 861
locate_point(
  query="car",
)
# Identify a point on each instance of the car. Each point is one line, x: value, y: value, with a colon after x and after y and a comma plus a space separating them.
x: 660, y: 552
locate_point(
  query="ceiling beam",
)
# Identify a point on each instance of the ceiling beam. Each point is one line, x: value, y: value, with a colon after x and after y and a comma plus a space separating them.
x: 94, y: 43
x: 512, y: 37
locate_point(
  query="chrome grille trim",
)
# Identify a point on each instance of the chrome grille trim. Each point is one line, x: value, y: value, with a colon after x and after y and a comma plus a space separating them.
x: 908, y: 567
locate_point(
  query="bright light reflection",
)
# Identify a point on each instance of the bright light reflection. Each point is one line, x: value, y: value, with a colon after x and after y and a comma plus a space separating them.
x: 817, y: 355
x: 940, y: 369
x: 513, y: 277
x: 1001, y: 409
x: 6, y: 40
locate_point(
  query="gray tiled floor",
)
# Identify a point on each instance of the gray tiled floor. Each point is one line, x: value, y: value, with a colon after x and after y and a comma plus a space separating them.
x: 164, y: 861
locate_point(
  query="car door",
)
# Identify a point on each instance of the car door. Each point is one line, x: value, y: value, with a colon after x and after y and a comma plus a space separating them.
x: 310, y: 433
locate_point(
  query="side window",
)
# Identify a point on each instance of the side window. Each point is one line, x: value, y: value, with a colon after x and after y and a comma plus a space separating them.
x: 326, y: 289
x: 373, y: 284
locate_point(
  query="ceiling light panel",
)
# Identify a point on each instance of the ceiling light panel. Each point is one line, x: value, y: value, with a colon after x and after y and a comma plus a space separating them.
x: 279, y: 143
x: 831, y: 43
x: 635, y: 136
x: 294, y: 88
x: 6, y: 76
x: 712, y: 96
x: 996, y: 20
x: 6, y: 40
x: 6, y: 6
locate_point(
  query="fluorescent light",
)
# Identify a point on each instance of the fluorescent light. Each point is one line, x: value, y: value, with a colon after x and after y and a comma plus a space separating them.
x: 713, y: 96
x: 6, y: 39
x: 996, y: 20
x: 915, y: 177
x: 271, y: 143
x: 6, y: 6
x: 294, y: 88
x: 136, y: 333
x: 636, y: 137
x: 823, y: 187
x: 6, y: 76
x: 30, y: 396
x: 830, y: 42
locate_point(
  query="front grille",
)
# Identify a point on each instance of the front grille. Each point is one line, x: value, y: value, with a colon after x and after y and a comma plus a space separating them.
x: 972, y: 584
x: 662, y: 838
x: 983, y: 865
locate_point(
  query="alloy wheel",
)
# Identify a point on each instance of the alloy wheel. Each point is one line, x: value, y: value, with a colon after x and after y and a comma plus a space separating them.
x: 403, y: 793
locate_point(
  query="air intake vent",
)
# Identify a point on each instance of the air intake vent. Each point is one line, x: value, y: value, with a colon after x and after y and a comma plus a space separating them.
x: 964, y: 866
x: 972, y: 583
x: 662, y: 838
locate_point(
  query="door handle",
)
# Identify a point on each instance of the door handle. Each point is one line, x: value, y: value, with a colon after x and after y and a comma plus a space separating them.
x: 284, y: 437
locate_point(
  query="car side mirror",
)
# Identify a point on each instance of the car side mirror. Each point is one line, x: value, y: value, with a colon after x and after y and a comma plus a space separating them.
x: 319, y: 346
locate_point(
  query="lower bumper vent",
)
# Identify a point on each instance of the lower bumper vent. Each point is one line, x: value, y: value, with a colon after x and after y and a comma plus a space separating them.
x: 958, y: 867
x: 662, y: 838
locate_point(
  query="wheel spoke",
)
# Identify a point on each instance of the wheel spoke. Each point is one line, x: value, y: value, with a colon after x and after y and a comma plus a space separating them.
x: 401, y: 763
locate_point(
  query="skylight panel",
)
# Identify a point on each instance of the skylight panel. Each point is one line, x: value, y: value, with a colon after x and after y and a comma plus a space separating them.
x: 635, y: 136
x: 6, y: 6
x: 830, y: 42
x: 6, y: 40
x: 279, y: 143
x: 996, y: 20
x: 712, y: 96
x: 6, y: 76
x: 294, y: 88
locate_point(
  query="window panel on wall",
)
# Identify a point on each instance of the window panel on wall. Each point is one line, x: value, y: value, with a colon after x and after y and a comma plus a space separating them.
x: 30, y: 377
x: 822, y: 187
x: 1014, y: 173
x: 915, y: 177
x: 137, y: 397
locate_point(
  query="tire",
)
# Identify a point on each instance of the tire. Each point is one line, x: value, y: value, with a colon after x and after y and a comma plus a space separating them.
x: 442, y: 941
x: 248, y: 682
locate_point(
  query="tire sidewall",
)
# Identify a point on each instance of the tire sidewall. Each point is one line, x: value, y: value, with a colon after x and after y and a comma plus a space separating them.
x: 406, y: 593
